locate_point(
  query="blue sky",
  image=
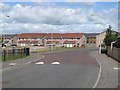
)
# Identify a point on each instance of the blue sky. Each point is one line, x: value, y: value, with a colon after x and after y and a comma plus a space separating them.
x: 99, y: 5
x: 74, y: 17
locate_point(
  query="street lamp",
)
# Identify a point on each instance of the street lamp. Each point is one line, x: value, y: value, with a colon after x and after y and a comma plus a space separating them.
x: 2, y: 35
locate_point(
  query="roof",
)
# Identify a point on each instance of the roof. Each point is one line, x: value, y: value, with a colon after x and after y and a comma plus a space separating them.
x: 69, y: 42
x: 51, y: 42
x: 9, y: 36
x: 31, y: 35
x: 65, y: 35
x: 73, y: 35
x: 91, y: 34
x: 54, y: 35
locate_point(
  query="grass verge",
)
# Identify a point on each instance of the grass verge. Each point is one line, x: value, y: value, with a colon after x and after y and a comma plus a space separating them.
x: 10, y: 57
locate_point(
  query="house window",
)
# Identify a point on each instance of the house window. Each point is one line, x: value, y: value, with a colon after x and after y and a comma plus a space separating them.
x: 87, y: 41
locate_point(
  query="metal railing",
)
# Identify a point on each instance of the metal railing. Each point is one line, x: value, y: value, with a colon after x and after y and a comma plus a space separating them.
x: 14, y: 53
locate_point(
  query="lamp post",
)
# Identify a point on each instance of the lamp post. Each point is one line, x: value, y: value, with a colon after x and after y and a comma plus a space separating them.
x: 2, y: 35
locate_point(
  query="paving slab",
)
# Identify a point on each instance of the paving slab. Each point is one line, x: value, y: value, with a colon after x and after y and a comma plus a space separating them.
x: 109, y: 75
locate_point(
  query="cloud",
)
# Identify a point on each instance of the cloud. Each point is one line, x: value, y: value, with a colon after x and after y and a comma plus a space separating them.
x: 48, y: 17
x: 92, y: 0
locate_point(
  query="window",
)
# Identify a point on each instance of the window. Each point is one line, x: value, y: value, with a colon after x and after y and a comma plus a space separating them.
x: 87, y: 41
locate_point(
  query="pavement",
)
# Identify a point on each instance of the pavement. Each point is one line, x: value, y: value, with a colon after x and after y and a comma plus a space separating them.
x: 109, y: 72
x: 23, y: 61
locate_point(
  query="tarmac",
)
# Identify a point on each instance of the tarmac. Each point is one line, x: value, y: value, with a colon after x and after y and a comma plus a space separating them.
x: 109, y: 68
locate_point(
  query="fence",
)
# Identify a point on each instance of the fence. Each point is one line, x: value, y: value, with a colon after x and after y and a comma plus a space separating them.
x: 114, y: 53
x: 14, y: 53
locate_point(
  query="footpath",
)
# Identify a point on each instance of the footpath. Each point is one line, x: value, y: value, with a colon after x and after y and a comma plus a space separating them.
x: 109, y: 71
x: 23, y: 61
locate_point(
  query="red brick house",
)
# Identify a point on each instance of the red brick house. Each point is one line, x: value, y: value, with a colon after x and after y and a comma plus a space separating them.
x: 56, y: 39
x: 31, y: 39
x: 66, y: 39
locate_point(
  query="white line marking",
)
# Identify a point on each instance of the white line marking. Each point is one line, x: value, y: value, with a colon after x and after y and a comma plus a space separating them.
x: 5, y: 68
x: 38, y: 63
x: 55, y: 63
x: 13, y: 64
x: 29, y: 62
x: 99, y: 75
x: 21, y: 64
x: 116, y: 68
x: 38, y: 59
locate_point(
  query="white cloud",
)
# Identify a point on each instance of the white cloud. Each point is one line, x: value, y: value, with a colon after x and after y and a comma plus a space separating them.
x: 92, y: 0
x: 47, y: 18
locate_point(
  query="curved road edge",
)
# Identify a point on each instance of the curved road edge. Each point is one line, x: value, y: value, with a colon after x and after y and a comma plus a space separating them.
x: 108, y: 76
x: 99, y: 75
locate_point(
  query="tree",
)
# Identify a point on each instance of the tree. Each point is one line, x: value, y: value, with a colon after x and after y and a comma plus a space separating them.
x: 110, y: 36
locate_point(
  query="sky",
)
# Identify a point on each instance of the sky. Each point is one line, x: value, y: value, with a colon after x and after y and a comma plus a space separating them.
x: 60, y: 17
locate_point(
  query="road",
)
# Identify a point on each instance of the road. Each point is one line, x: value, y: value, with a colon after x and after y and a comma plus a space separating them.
x: 76, y: 70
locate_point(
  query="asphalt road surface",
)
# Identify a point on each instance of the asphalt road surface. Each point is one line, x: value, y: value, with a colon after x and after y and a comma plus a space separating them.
x: 76, y: 70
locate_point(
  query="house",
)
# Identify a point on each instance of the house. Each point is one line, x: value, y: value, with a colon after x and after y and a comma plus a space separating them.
x: 66, y: 39
x: 9, y: 39
x: 54, y: 38
x: 31, y: 39
x: 91, y: 39
x: 100, y: 38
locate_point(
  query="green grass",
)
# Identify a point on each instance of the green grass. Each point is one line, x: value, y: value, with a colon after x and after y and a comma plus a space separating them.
x: 0, y: 58
x: 56, y: 49
x: 91, y: 47
x: 11, y: 57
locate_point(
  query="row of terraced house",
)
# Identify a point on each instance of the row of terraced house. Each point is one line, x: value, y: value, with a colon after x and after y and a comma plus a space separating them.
x: 56, y: 39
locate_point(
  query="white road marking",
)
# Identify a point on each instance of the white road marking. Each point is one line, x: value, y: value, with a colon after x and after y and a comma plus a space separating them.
x: 5, y: 68
x: 38, y: 63
x: 116, y: 68
x: 13, y: 64
x: 99, y: 75
x: 55, y: 63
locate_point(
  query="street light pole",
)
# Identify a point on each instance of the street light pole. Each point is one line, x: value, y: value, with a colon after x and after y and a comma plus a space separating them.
x: 2, y: 35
